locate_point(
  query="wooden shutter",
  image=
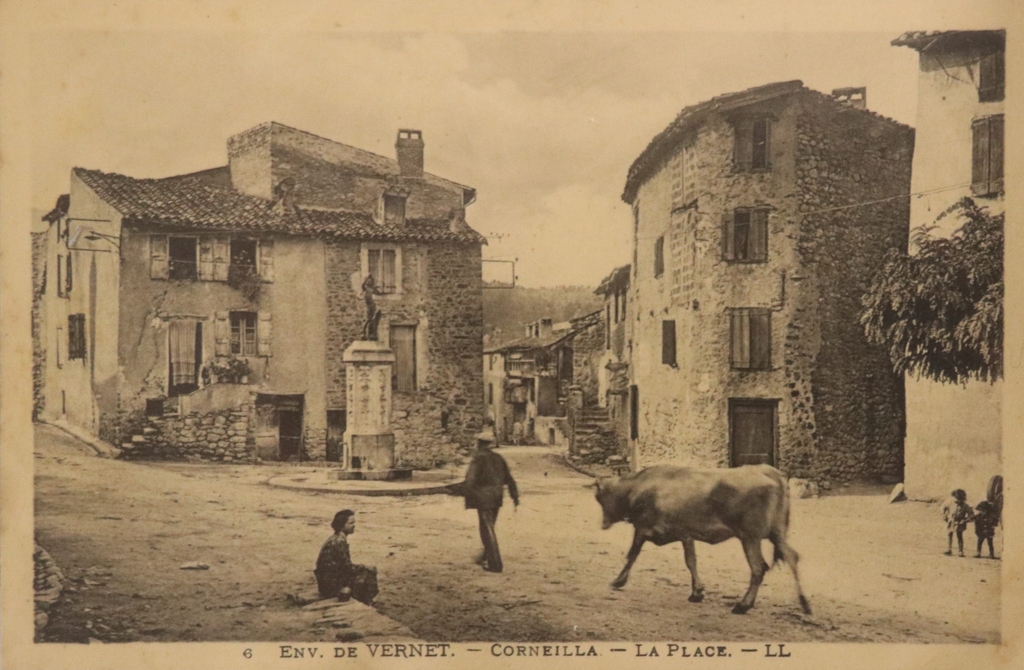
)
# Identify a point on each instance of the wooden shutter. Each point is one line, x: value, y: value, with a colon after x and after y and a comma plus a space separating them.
x: 979, y: 157
x: 992, y: 78
x: 60, y: 275
x: 222, y: 334
x: 205, y: 258
x: 760, y: 340
x: 743, y: 148
x: 266, y: 253
x: 739, y: 338
x: 757, y: 247
x: 728, y: 236
x: 995, y: 154
x: 263, y: 333
x: 668, y: 342
x: 659, y: 256
x: 221, y: 258
x: 158, y: 257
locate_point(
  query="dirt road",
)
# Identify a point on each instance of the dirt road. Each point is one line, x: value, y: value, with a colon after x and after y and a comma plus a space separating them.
x: 121, y: 532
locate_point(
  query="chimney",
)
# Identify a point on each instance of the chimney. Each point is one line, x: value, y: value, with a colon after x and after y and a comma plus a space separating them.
x: 854, y: 97
x: 409, y: 150
x: 546, y: 328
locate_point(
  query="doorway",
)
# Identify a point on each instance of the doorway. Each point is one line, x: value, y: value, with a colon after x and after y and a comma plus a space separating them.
x: 279, y: 427
x: 753, y: 431
x: 185, y: 355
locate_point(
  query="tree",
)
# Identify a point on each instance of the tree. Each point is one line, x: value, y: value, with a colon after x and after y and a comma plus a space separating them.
x: 939, y: 309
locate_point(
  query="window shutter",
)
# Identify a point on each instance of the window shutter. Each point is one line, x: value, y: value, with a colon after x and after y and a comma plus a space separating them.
x: 221, y: 258
x: 668, y: 342
x: 758, y: 246
x: 743, y: 149
x: 70, y: 277
x: 728, y: 236
x: 222, y: 334
x: 266, y: 251
x: 60, y: 276
x: 263, y: 334
x: 992, y: 78
x: 761, y: 340
x: 980, y: 157
x: 767, y: 143
x: 995, y: 154
x: 739, y: 336
x: 205, y: 258
x: 158, y: 257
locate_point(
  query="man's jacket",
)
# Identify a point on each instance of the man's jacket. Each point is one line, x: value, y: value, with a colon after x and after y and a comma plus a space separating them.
x: 486, y: 479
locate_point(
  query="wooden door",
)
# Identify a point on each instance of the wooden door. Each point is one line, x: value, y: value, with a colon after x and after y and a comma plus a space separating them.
x: 752, y: 431
x: 403, y: 343
x: 290, y: 434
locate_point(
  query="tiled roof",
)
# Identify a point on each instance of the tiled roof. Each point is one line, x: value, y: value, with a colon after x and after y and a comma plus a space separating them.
x: 619, y: 278
x: 924, y: 40
x: 206, y: 200
x: 691, y: 117
x: 526, y: 343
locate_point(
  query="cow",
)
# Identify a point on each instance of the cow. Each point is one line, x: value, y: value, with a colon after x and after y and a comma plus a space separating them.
x: 667, y: 503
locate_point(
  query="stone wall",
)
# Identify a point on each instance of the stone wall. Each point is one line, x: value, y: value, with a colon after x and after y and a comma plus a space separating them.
x: 857, y: 399
x: 442, y: 297
x: 225, y: 436
x: 39, y: 249
x: 587, y: 351
x: 839, y: 408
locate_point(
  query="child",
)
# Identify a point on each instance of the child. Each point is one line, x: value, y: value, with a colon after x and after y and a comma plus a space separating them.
x: 957, y: 514
x: 985, y: 521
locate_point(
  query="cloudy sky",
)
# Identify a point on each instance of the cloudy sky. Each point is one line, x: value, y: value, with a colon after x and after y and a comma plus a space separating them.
x: 544, y: 125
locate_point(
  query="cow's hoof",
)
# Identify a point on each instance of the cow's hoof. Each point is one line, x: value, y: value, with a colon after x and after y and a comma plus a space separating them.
x: 740, y: 608
x: 696, y: 597
x: 805, y: 605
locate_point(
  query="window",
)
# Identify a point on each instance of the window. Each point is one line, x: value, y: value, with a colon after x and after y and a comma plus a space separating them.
x: 750, y: 335
x: 668, y: 343
x: 394, y: 209
x: 76, y: 336
x: 745, y: 235
x: 68, y: 279
x: 992, y: 84
x: 490, y: 362
x: 634, y: 413
x: 490, y: 394
x: 243, y: 253
x: 659, y: 256
x: 243, y: 333
x: 752, y: 149
x: 987, y: 163
x: 608, y: 328
x: 383, y: 268
x: 60, y: 276
x: 182, y: 258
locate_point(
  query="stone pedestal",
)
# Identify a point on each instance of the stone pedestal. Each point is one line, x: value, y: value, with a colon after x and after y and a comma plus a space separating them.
x: 369, y: 443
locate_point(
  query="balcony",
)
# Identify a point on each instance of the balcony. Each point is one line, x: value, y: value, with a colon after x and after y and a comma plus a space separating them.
x: 521, y: 368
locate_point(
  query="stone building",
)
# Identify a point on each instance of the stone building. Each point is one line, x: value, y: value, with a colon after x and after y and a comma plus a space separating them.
x: 759, y: 218
x: 954, y: 432
x: 205, y: 315
x: 613, y: 366
x: 529, y: 380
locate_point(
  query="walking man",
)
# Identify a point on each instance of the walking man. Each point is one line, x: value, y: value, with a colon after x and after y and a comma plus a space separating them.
x: 484, y: 490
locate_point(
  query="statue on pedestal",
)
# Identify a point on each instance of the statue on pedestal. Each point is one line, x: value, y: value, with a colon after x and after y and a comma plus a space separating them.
x: 372, y: 313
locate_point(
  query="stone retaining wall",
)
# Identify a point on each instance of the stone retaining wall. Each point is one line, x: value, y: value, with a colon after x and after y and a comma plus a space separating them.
x: 225, y: 436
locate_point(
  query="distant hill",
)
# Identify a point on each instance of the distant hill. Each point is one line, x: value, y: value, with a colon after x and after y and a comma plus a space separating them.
x: 507, y: 311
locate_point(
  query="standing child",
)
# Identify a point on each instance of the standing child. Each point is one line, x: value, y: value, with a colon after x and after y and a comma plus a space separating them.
x: 957, y: 514
x: 985, y: 520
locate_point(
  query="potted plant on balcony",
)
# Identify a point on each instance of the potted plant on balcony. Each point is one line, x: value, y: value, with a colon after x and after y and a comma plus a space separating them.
x: 230, y: 371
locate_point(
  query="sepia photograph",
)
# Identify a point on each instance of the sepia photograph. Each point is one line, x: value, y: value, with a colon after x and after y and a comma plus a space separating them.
x: 513, y: 343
